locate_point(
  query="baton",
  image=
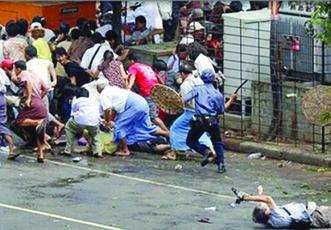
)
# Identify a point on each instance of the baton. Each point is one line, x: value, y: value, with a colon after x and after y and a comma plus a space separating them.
x: 242, y: 84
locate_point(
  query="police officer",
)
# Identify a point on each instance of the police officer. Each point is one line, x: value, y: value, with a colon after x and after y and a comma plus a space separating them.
x: 209, y: 103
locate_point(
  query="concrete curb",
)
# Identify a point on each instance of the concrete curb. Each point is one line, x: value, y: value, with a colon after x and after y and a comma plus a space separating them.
x: 277, y: 152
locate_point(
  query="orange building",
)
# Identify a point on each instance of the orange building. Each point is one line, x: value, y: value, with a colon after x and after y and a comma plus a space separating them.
x: 53, y: 11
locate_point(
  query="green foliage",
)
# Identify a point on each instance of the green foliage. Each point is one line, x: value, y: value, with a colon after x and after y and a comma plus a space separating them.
x: 322, y: 19
x: 325, y: 118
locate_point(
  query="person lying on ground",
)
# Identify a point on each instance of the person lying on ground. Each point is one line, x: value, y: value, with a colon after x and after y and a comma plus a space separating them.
x: 293, y: 215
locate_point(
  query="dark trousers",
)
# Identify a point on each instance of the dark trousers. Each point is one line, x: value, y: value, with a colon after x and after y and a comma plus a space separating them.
x: 207, y: 124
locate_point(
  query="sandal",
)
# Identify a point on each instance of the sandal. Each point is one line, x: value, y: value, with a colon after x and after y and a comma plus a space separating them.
x: 40, y: 160
x: 169, y: 156
x: 64, y: 153
x: 13, y: 156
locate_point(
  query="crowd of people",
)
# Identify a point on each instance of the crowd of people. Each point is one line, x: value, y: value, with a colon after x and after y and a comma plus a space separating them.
x: 82, y: 81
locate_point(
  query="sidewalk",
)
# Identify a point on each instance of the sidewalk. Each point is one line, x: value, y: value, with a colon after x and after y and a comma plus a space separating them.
x: 275, y: 151
x: 278, y: 152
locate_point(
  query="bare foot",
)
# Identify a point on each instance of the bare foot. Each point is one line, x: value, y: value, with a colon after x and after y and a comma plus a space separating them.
x: 122, y: 153
x: 170, y: 156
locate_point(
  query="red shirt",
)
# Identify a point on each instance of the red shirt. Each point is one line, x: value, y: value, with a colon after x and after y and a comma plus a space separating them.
x: 146, y: 78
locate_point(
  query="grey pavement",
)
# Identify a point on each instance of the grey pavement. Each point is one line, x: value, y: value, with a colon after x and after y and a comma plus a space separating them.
x: 143, y: 192
x: 280, y: 152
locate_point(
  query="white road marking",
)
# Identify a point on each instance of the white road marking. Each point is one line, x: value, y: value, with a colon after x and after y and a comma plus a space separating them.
x: 58, y: 217
x: 141, y: 180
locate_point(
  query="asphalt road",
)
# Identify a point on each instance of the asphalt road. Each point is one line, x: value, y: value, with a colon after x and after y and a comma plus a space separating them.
x: 143, y: 192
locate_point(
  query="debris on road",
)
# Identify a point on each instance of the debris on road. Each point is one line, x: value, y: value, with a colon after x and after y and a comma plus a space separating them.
x: 77, y: 159
x: 211, y: 209
x: 205, y: 220
x: 178, y: 167
x: 254, y: 156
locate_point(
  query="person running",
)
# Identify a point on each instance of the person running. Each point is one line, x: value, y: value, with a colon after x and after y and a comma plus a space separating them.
x: 181, y: 127
x: 209, y: 103
x: 33, y: 115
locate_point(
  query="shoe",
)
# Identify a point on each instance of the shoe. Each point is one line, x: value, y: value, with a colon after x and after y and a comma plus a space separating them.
x: 40, y: 160
x: 240, y: 195
x: 13, y: 156
x: 98, y: 155
x: 221, y: 169
x: 64, y: 153
x: 206, y: 158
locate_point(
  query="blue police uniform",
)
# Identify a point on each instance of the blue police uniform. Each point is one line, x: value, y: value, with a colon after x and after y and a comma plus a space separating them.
x: 209, y: 103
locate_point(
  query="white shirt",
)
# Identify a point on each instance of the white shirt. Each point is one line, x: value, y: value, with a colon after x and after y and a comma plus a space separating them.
x: 1, y: 50
x: 93, y: 91
x: 49, y: 34
x: 39, y: 67
x: 151, y: 12
x: 165, y: 9
x: 86, y: 111
x: 87, y: 57
x: 104, y: 29
x: 187, y: 86
x: 187, y: 39
x: 203, y: 62
x: 113, y: 97
x: 4, y: 81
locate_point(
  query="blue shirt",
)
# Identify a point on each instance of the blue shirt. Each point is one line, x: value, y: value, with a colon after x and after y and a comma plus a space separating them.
x: 176, y: 63
x: 208, y: 100
x: 86, y: 111
x: 280, y: 218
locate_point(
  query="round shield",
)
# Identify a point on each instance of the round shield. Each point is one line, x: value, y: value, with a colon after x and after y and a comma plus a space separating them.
x: 315, y: 102
x: 167, y: 99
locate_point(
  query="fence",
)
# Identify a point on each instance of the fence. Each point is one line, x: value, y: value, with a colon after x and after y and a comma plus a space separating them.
x: 281, y: 61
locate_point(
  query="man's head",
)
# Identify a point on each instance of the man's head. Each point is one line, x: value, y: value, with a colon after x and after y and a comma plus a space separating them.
x: 37, y: 30
x: 39, y: 19
x: 30, y: 52
x: 64, y: 28
x: 97, y: 38
x: 102, y: 83
x: 261, y: 214
x: 82, y: 92
x: 133, y: 58
x: 140, y: 22
x: 19, y: 67
x: 12, y: 29
x: 196, y: 29
x: 111, y: 36
x: 81, y: 22
x: 23, y: 26
x: 75, y: 34
x: 159, y: 65
x: 185, y: 70
x: 208, y: 76
x: 181, y: 51
x: 61, y: 55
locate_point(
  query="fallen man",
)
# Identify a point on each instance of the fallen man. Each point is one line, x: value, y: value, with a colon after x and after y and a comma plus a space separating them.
x: 293, y: 215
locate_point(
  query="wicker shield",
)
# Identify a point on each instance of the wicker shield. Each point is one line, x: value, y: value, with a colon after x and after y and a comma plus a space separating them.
x: 167, y: 99
x: 315, y: 102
